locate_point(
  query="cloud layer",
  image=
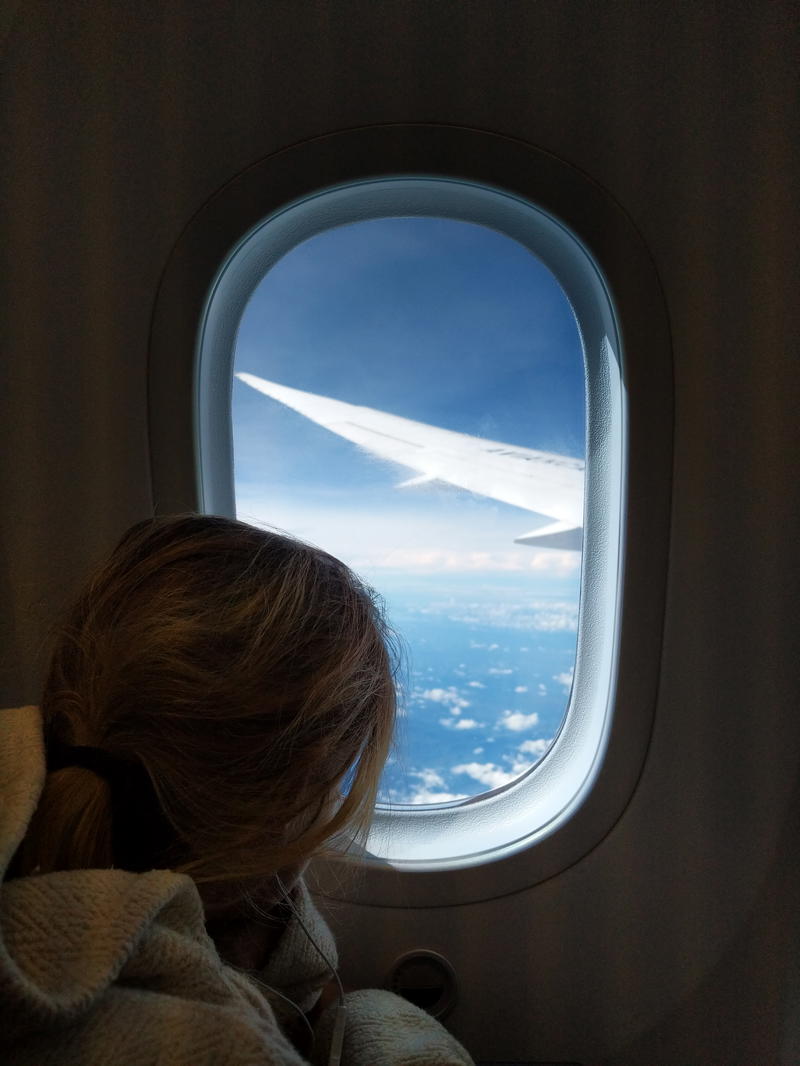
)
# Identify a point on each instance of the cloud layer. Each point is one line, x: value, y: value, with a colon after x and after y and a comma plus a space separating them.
x: 408, y: 539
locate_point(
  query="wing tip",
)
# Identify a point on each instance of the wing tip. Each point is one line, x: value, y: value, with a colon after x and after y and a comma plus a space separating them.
x: 559, y: 535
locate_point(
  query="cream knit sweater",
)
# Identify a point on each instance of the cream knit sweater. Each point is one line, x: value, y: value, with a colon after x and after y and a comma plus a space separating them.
x: 115, y: 968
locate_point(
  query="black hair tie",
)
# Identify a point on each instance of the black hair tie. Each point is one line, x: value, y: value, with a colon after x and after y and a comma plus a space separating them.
x: 141, y: 834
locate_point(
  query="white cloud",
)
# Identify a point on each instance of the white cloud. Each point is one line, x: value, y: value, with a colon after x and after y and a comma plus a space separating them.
x: 449, y: 560
x: 429, y: 778
x: 461, y: 723
x: 439, y: 695
x: 563, y: 618
x: 565, y: 679
x: 547, y: 616
x: 534, y: 747
x: 499, y: 670
x: 476, y: 684
x: 487, y: 773
x: 477, y: 751
x: 517, y: 722
x: 425, y: 795
x: 542, y: 689
x: 413, y: 536
x: 521, y: 688
x: 420, y: 793
x: 448, y: 697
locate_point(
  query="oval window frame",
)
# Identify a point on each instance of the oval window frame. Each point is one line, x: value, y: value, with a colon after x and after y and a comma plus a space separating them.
x: 628, y: 457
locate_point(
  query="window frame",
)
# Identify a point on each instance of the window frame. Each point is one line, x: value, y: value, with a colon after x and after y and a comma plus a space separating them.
x: 556, y: 812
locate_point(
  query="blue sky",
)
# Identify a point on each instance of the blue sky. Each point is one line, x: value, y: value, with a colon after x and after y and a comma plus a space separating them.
x: 433, y: 319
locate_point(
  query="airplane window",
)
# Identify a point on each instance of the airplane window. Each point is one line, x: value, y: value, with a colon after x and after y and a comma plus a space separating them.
x: 459, y: 382
x: 409, y: 394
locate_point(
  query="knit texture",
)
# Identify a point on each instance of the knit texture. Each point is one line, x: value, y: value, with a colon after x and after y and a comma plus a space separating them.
x: 106, y: 966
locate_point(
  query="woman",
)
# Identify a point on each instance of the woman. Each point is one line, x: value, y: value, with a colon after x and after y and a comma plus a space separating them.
x: 219, y: 705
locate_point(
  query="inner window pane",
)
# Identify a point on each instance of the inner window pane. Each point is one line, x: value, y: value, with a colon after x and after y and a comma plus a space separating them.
x: 428, y: 325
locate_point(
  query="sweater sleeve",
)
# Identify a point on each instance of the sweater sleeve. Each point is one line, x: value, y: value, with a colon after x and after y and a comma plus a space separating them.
x: 299, y: 966
x: 381, y: 1029
x: 384, y: 1028
x: 132, y: 1027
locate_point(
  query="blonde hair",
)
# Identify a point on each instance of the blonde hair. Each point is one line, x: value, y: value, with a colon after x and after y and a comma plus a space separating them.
x: 250, y: 674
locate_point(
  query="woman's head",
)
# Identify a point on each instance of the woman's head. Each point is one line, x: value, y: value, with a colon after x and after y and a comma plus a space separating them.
x: 249, y: 673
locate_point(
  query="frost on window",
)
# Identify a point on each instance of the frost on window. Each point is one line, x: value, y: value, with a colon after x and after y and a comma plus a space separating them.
x: 409, y: 396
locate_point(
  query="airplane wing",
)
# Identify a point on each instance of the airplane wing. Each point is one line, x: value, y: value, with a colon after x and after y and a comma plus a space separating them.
x: 549, y: 485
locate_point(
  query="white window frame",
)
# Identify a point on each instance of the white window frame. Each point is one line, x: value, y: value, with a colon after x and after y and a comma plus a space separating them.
x: 529, y: 829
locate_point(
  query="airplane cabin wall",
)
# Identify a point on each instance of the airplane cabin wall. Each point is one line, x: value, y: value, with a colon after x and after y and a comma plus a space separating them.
x: 675, y: 940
